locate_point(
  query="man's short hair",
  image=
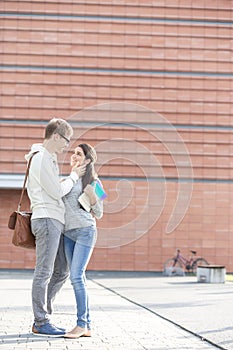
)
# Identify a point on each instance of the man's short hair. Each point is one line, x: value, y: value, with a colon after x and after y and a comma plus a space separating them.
x: 59, y: 126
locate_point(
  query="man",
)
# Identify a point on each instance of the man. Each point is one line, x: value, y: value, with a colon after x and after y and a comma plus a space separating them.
x: 45, y: 192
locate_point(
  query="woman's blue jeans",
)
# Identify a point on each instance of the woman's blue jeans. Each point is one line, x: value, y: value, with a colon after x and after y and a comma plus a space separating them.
x: 78, y: 253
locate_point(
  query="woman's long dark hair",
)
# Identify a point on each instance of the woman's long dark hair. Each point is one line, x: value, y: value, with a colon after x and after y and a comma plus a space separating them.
x: 90, y: 174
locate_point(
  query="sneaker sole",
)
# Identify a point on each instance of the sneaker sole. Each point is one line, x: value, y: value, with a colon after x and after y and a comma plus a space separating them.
x: 48, y: 335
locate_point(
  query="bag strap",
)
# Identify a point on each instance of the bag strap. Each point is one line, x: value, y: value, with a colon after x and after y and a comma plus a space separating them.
x: 25, y: 180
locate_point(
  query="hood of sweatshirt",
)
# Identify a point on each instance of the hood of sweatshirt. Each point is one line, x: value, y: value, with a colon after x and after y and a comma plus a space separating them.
x: 36, y: 147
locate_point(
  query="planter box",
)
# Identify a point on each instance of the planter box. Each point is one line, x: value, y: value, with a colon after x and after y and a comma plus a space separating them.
x: 211, y: 274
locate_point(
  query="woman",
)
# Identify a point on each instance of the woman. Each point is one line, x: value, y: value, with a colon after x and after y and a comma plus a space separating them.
x: 80, y: 234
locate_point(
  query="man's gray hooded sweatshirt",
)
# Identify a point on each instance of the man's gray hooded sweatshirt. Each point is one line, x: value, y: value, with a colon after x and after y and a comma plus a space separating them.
x: 44, y: 188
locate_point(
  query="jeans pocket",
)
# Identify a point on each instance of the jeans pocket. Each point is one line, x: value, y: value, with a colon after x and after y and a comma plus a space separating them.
x: 87, y: 236
x: 39, y: 226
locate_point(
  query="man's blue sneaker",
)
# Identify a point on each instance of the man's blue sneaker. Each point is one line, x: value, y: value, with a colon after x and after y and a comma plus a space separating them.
x: 48, y: 330
x: 60, y: 328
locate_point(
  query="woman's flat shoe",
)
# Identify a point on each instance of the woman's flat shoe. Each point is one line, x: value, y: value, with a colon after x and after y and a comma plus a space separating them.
x: 77, y: 332
x: 87, y: 333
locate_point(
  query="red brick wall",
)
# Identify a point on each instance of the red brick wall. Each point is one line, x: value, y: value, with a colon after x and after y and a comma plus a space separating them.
x: 166, y: 57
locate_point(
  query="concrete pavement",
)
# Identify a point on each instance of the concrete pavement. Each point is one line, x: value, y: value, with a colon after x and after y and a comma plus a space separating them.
x: 130, y: 311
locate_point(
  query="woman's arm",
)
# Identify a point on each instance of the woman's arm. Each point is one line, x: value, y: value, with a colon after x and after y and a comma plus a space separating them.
x: 95, y: 202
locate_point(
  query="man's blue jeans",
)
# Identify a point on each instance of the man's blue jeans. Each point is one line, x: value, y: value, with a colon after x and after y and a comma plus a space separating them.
x: 51, y: 269
x: 78, y: 254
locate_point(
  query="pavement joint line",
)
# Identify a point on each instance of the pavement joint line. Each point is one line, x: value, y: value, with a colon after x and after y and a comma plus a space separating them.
x: 157, y: 314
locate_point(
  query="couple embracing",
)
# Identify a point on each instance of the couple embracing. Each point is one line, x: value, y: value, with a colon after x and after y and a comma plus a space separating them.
x: 65, y: 232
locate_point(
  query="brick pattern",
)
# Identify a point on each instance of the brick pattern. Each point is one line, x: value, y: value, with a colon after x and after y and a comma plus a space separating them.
x: 172, y: 57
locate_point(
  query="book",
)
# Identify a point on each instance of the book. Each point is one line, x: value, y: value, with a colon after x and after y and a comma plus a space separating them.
x: 84, y: 201
x: 99, y: 191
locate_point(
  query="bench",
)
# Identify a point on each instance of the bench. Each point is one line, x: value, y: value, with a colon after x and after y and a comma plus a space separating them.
x: 211, y: 274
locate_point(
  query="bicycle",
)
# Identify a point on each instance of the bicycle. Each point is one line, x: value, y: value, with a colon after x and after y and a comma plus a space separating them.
x: 179, y: 261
